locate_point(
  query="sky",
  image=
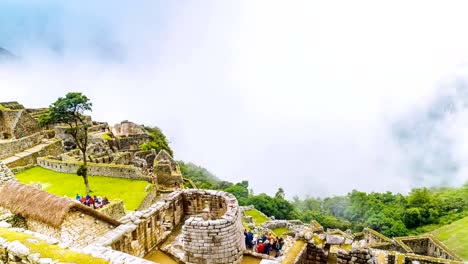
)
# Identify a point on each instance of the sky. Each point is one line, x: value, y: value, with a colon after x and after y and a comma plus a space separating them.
x: 316, y: 98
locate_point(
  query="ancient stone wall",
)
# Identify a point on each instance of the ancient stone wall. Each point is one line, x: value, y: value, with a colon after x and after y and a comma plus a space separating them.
x: 108, y: 170
x: 132, y: 142
x: 115, y: 209
x: 43, y: 228
x: 426, y: 246
x: 25, y: 125
x: 196, y: 201
x: 373, y: 237
x: 143, y: 230
x: 9, y: 148
x: 30, y: 158
x: 79, y: 229
x: 219, y: 240
x: 222, y: 236
x: 5, y: 174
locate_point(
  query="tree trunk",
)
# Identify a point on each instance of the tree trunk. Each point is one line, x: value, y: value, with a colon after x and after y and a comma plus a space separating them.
x: 85, y: 177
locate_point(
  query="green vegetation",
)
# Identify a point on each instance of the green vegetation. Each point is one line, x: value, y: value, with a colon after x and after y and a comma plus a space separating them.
x: 280, y: 231
x: 49, y: 251
x: 393, y: 215
x: 4, y: 108
x: 455, y: 236
x: 202, y: 178
x: 257, y: 216
x: 158, y: 141
x: 130, y: 191
x: 69, y: 110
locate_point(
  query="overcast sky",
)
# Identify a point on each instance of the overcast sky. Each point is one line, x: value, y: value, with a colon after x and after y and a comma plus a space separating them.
x: 317, y: 98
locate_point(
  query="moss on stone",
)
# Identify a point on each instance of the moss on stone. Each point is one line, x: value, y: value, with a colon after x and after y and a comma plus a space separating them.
x: 49, y: 251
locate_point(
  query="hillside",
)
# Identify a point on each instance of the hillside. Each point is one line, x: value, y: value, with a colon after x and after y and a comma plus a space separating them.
x: 455, y: 236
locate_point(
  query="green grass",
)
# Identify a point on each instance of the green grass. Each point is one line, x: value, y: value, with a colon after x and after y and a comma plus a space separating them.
x: 132, y: 192
x: 280, y: 231
x: 49, y: 251
x: 293, y: 252
x: 257, y: 217
x: 455, y: 237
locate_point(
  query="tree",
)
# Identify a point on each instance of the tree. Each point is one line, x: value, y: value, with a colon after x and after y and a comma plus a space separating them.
x: 158, y: 141
x: 69, y: 110
x: 280, y: 193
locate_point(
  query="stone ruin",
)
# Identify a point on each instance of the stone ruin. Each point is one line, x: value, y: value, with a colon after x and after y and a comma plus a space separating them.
x: 192, y: 226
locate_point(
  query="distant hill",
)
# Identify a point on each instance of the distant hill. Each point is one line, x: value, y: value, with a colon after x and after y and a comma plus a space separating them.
x: 6, y: 55
x: 455, y: 236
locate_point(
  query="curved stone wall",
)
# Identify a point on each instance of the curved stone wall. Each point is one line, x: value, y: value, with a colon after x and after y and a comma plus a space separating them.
x: 219, y: 240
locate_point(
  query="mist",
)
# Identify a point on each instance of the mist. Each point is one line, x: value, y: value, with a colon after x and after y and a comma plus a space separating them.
x: 318, y: 99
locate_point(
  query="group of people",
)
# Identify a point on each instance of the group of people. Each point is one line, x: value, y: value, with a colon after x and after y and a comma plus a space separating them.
x: 94, y: 202
x: 265, y: 244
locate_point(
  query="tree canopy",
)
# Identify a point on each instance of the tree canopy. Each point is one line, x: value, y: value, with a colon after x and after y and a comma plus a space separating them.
x: 69, y: 111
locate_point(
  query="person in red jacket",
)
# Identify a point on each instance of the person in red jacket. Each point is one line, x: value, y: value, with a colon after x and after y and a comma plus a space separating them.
x: 260, y: 247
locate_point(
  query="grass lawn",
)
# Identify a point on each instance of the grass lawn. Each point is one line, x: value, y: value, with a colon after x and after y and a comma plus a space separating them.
x: 132, y: 192
x: 257, y: 216
x: 49, y: 251
x: 280, y: 231
x: 293, y: 251
x: 455, y: 237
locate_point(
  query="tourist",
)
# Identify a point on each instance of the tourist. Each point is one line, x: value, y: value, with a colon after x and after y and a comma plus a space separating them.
x: 83, y: 199
x: 267, y: 247
x: 255, y: 243
x: 260, y: 247
x: 249, y: 239
x: 78, y: 197
x: 264, y: 238
x: 105, y: 201
x: 91, y: 202
x: 279, y: 246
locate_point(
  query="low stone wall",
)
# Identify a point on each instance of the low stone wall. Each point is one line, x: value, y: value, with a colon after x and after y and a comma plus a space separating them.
x: 53, y: 148
x: 108, y: 170
x: 14, y: 252
x: 315, y: 254
x: 8, y: 149
x: 115, y: 209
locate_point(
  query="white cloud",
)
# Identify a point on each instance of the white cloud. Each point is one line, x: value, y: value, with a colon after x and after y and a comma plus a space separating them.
x: 297, y: 94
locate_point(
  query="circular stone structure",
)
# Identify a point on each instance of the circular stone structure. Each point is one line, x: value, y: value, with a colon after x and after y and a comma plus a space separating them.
x: 214, y: 232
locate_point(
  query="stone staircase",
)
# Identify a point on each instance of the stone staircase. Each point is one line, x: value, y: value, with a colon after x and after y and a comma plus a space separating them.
x: 5, y: 174
x: 17, y: 118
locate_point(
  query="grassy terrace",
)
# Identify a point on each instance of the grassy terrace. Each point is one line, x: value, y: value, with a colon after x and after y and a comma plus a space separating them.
x: 49, y: 251
x: 280, y: 231
x: 132, y: 192
x: 455, y: 237
x: 293, y: 252
x: 257, y: 216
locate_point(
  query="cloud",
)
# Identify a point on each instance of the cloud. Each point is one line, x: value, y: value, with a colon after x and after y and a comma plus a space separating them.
x: 311, y: 97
